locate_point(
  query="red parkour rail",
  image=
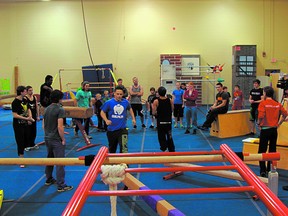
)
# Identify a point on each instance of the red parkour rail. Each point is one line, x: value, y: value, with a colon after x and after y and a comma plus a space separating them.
x: 272, y: 202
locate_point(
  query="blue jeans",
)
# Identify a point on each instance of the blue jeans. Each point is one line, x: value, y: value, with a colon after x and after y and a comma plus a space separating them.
x: 191, y: 113
x: 55, y: 149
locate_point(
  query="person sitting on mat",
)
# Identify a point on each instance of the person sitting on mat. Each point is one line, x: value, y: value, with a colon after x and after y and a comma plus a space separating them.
x: 162, y: 108
x: 220, y: 106
x: 117, y: 132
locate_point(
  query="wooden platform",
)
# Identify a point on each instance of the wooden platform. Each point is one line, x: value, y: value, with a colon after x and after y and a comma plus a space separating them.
x: 251, y: 145
x: 231, y: 124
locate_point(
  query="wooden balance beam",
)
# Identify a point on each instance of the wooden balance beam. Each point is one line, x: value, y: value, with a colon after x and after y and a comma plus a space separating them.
x: 219, y: 173
x: 231, y: 124
x: 156, y: 202
x: 131, y: 160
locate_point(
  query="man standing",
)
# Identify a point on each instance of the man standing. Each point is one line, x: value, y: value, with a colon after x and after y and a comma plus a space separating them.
x: 178, y: 105
x: 83, y: 97
x: 269, y: 112
x: 55, y: 140
x: 120, y: 83
x: 45, y: 91
x: 220, y: 106
x: 163, y: 107
x: 136, y: 91
x: 256, y: 96
x: 117, y: 133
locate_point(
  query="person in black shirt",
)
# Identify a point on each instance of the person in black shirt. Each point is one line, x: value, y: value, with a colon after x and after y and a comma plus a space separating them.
x: 45, y: 91
x: 22, y: 117
x: 256, y: 96
x: 220, y: 106
x: 163, y: 107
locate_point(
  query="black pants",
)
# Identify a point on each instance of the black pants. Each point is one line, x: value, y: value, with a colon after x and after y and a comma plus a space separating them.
x: 267, y: 136
x: 32, y: 133
x: 211, y: 116
x: 86, y: 125
x: 118, y: 137
x: 165, y: 137
x: 21, y: 132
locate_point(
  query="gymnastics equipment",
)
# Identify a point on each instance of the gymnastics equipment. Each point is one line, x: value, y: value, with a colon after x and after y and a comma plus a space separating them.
x: 231, y: 124
x: 140, y: 158
x: 156, y: 202
x: 89, y: 69
x: 251, y: 145
x: 1, y: 198
x: 80, y: 113
x: 219, y: 173
x: 254, y: 184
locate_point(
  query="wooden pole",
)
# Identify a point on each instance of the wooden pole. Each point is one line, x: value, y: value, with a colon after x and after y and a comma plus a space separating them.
x: 220, y: 173
x: 16, y: 78
x: 132, y: 160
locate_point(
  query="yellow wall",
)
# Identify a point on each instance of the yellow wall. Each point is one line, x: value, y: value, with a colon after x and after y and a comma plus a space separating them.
x: 42, y: 37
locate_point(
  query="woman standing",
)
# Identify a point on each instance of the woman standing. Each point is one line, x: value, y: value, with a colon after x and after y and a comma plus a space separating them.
x: 32, y: 101
x: 21, y: 119
x: 190, y: 96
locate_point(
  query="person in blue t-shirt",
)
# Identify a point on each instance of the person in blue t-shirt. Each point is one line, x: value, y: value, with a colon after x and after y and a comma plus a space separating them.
x: 117, y: 132
x: 178, y: 105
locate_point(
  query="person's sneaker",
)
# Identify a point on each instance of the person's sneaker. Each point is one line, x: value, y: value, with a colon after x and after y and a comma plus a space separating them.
x: 181, y: 126
x: 250, y: 134
x: 135, y: 126
x: 36, y: 147
x: 203, y: 128
x: 175, y: 125
x: 89, y: 137
x: 187, y: 132
x: 75, y: 134
x: 22, y: 166
x: 50, y: 181
x: 285, y: 187
x: 194, y: 131
x: 27, y: 149
x: 263, y: 174
x: 143, y: 126
x: 64, y: 188
x: 151, y: 126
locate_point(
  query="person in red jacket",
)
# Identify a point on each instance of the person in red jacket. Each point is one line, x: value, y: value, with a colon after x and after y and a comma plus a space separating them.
x: 269, y: 112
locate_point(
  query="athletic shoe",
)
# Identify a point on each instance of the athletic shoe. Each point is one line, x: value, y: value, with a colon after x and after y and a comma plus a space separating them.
x: 263, y: 174
x: 187, y: 132
x: 181, y: 126
x: 203, y: 128
x: 135, y: 126
x: 75, y: 134
x: 22, y: 166
x: 143, y: 126
x: 89, y: 137
x: 151, y: 126
x: 285, y: 187
x: 50, y: 181
x: 64, y: 188
x: 27, y: 149
x: 36, y: 147
x: 175, y: 125
x: 194, y: 131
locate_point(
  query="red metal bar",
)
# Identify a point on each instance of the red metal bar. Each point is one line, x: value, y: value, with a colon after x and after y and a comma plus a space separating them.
x: 78, y: 199
x: 172, y: 191
x: 175, y: 169
x: 272, y: 202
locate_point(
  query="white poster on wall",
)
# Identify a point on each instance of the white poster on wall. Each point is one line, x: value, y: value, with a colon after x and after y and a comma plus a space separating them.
x: 190, y: 65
